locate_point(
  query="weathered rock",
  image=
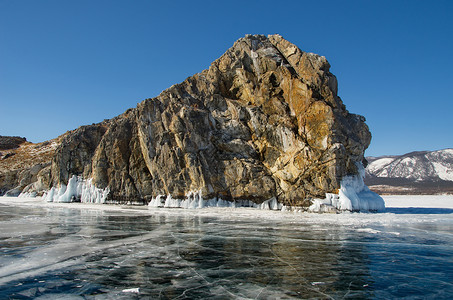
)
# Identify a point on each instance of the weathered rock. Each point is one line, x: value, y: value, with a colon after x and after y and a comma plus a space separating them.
x: 23, y: 167
x: 263, y: 121
x: 11, y: 142
x: 75, y: 151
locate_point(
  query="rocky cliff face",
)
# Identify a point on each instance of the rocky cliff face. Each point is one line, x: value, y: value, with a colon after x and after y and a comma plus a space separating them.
x: 263, y: 121
x: 25, y: 166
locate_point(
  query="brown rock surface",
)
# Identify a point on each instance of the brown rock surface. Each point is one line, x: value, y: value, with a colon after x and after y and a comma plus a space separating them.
x: 11, y: 142
x: 263, y: 121
x: 26, y: 167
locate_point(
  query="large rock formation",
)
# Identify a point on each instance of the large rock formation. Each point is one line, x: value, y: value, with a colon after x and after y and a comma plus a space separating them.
x: 263, y: 121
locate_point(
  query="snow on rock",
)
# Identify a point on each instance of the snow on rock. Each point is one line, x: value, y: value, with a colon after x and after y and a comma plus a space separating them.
x: 444, y: 171
x: 379, y: 164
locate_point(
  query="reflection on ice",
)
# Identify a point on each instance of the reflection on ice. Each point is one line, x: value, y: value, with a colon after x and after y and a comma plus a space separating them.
x: 77, y: 250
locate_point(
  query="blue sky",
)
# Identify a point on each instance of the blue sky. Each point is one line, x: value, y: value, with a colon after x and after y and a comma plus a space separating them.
x: 69, y: 63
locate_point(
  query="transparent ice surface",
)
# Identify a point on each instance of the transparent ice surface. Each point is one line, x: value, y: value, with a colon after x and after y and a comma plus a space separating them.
x: 74, y: 251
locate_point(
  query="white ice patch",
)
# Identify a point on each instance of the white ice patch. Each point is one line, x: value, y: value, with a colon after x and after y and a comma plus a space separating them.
x: 271, y: 204
x: 77, y: 190
x: 194, y: 200
x: 89, y: 193
x: 132, y: 290
x: 27, y: 195
x: 354, y: 195
x: 419, y: 201
x: 368, y: 230
x: 71, y: 191
x: 329, y: 204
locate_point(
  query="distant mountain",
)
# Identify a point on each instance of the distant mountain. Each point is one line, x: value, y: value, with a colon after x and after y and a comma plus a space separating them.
x: 422, y: 172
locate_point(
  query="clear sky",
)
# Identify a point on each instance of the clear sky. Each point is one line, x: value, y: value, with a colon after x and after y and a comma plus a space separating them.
x: 69, y: 63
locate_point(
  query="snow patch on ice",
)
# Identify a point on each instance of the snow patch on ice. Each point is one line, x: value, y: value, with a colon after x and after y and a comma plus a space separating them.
x: 368, y: 230
x: 420, y: 201
x: 132, y: 290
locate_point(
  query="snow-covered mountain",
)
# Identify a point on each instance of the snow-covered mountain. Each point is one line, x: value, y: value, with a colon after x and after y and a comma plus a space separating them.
x: 423, y: 169
x: 418, y: 166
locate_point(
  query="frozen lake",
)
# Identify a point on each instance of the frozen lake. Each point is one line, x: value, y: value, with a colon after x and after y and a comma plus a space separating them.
x: 81, y: 251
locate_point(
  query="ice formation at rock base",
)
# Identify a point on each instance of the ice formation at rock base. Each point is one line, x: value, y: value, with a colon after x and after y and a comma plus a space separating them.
x: 77, y: 190
x: 195, y: 200
x: 353, y: 195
